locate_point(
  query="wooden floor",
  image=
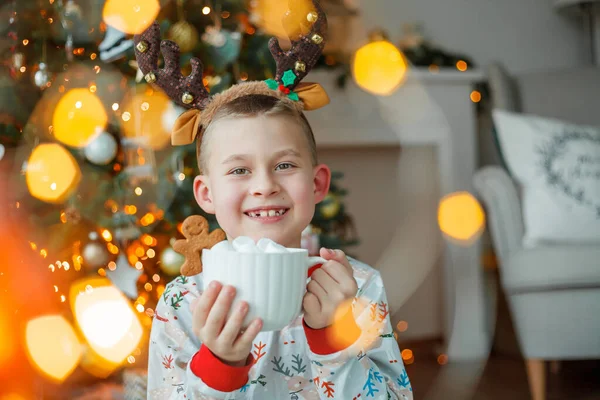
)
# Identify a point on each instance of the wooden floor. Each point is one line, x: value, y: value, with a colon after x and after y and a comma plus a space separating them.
x: 500, y: 378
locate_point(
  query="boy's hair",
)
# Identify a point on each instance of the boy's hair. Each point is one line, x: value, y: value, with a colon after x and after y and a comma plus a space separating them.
x: 254, y: 105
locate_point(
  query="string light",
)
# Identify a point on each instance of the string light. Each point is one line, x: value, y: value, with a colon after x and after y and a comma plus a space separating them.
x: 461, y: 65
x: 206, y: 10
x: 475, y: 96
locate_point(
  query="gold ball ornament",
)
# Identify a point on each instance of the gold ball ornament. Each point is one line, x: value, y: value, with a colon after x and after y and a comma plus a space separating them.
x: 330, y: 206
x: 185, y: 35
x: 171, y: 261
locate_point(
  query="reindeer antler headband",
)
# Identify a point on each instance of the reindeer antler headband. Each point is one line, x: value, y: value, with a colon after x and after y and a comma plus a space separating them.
x: 189, y: 92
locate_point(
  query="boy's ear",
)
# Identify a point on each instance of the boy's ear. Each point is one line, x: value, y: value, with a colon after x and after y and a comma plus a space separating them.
x: 322, y: 179
x: 202, y: 194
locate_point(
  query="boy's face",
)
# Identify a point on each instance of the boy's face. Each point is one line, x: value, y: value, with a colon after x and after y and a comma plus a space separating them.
x: 258, y: 168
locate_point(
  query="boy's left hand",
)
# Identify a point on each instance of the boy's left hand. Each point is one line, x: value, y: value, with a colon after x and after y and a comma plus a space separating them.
x: 330, y: 291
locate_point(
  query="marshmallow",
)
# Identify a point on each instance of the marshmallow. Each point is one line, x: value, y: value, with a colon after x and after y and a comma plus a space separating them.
x: 244, y: 244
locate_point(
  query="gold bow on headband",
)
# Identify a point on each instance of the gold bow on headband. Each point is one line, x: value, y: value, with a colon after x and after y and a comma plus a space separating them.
x: 311, y: 96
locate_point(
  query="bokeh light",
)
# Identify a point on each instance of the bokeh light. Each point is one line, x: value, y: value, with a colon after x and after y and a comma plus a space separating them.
x: 143, y: 116
x: 379, y: 67
x: 51, y: 173
x: 107, y: 321
x: 461, y: 217
x: 79, y: 116
x: 130, y: 16
x: 270, y: 14
x: 52, y: 346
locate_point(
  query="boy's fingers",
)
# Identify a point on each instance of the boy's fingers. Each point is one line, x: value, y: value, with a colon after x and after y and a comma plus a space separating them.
x: 311, y: 304
x: 340, y: 274
x: 315, y: 288
x: 204, y: 304
x: 245, y: 340
x: 337, y: 255
x: 218, y: 313
x: 234, y: 324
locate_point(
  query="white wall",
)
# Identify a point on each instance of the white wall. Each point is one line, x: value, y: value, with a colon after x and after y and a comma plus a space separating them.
x: 525, y: 35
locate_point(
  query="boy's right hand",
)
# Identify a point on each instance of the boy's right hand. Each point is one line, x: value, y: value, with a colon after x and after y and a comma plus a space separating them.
x: 224, y: 337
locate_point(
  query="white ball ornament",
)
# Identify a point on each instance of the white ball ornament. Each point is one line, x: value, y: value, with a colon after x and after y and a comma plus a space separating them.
x: 102, y: 150
x: 171, y: 261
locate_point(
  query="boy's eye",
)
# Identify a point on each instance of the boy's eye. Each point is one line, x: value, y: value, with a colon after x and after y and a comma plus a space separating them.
x: 284, y: 166
x: 239, y: 171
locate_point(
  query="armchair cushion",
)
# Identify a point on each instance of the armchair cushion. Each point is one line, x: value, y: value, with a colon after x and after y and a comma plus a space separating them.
x: 552, y: 267
x: 557, y: 166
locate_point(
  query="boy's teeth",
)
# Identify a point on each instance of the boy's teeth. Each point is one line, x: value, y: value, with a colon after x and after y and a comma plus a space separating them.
x: 266, y: 213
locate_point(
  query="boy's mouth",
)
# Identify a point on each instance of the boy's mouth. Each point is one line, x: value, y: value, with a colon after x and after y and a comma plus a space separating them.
x: 266, y: 212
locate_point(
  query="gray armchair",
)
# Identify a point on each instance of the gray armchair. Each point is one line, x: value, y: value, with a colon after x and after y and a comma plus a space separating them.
x: 553, y: 290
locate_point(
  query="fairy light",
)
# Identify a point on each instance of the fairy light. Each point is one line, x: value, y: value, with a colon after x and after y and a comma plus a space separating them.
x: 115, y: 106
x: 442, y: 359
x: 44, y: 253
x: 402, y: 326
x: 126, y: 116
x: 112, y: 266
x: 148, y: 287
x: 145, y: 106
x: 138, y: 191
x: 25, y: 42
x: 93, y: 56
x: 475, y: 96
x: 139, y: 265
x: 93, y: 88
x: 156, y: 277
x: 206, y: 10
x: 131, y: 359
x: 461, y: 65
x: 55, y: 289
x: 151, y: 253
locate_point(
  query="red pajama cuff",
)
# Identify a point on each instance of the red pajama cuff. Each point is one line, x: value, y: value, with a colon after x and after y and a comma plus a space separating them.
x: 336, y: 337
x: 216, y: 374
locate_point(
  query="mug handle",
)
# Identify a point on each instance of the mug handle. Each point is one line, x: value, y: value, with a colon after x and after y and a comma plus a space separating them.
x: 311, y: 264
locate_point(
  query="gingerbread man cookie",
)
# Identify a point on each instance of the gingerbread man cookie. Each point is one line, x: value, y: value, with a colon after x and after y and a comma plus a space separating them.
x: 197, y: 237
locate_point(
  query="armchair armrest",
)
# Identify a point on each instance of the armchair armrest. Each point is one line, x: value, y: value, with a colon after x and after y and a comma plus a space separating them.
x: 500, y: 198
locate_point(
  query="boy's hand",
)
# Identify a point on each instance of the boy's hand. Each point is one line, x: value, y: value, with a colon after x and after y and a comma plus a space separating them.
x: 330, y: 290
x: 223, y: 336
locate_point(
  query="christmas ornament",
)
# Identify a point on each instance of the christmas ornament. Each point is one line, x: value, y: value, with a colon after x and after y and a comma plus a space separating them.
x: 184, y: 34
x: 114, y: 46
x: 379, y: 67
x: 78, y: 117
x: 41, y: 77
x: 330, y: 206
x: 125, y: 277
x: 51, y: 173
x: 223, y: 47
x: 171, y: 261
x: 101, y: 150
x: 94, y: 253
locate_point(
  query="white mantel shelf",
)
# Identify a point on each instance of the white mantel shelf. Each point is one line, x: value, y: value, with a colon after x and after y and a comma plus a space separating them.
x: 355, y: 118
x: 430, y: 108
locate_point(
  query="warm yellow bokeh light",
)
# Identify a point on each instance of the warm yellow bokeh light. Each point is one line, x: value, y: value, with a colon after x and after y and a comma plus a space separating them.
x: 461, y: 217
x: 271, y: 19
x: 130, y: 16
x: 78, y: 117
x: 107, y: 321
x: 145, y: 112
x: 379, y: 67
x: 52, y: 346
x: 51, y: 173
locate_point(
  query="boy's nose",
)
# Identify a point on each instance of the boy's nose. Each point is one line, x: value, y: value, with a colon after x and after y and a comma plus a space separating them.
x: 264, y: 185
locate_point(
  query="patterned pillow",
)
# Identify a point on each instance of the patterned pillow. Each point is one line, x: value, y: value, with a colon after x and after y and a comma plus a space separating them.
x: 557, y: 165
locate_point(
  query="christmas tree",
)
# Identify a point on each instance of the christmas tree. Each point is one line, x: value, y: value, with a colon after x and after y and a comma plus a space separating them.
x: 92, y: 193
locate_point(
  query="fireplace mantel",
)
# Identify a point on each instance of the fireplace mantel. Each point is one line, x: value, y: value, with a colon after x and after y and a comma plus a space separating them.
x: 429, y: 109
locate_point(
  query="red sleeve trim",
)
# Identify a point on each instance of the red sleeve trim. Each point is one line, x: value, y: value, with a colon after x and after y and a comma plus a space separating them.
x: 216, y: 374
x: 336, y: 337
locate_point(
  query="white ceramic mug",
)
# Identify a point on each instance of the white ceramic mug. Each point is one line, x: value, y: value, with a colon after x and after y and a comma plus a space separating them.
x: 273, y: 284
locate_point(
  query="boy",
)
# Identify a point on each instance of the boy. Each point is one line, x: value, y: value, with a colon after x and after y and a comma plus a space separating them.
x: 261, y: 178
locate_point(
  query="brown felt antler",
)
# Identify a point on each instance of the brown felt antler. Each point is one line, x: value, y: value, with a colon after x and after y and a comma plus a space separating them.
x: 188, y: 92
x: 305, y: 50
